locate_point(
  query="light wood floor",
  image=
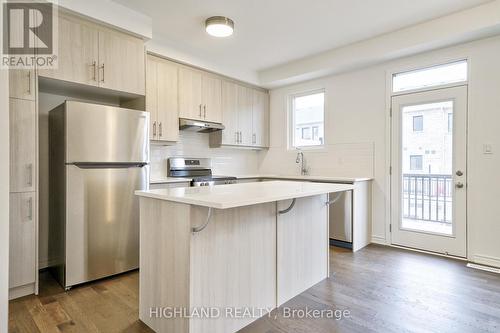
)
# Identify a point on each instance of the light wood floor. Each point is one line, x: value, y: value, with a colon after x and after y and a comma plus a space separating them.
x: 384, y: 289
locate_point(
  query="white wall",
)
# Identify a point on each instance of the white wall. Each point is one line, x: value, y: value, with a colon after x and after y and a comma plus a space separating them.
x: 357, y: 112
x: 225, y: 161
x: 4, y: 194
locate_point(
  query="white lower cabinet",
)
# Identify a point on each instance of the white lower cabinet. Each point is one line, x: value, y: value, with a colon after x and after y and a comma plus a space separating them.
x: 22, y: 235
x: 302, y: 245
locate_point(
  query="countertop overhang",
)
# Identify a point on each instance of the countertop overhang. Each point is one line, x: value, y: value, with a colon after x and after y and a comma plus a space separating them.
x: 238, y: 195
x: 321, y: 179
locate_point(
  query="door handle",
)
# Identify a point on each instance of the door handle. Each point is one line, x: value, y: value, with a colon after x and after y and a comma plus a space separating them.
x: 160, y: 129
x: 102, y: 67
x: 29, y: 182
x: 204, y: 111
x: 200, y: 110
x: 154, y: 129
x: 94, y: 67
x: 459, y: 185
x: 30, y: 208
x: 29, y: 82
x: 459, y: 173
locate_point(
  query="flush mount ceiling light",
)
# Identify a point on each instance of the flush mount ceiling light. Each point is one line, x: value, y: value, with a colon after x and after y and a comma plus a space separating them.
x: 219, y: 26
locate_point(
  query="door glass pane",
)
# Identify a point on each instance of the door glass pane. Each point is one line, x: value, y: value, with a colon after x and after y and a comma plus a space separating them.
x: 427, y: 161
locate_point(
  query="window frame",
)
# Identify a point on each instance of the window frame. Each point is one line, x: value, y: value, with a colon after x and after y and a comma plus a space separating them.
x: 291, y: 119
x: 401, y: 70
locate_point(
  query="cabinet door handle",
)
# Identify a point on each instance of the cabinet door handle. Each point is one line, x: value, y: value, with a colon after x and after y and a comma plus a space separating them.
x: 29, y: 82
x: 254, y: 138
x: 154, y: 129
x: 102, y: 67
x: 236, y: 137
x: 200, y: 110
x: 30, y: 208
x: 240, y: 137
x: 29, y: 182
x: 94, y: 67
x: 160, y: 129
x: 204, y: 111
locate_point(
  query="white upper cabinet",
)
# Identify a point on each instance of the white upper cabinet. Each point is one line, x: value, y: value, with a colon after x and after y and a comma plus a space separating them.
x: 190, y: 99
x: 161, y: 99
x: 245, y: 115
x: 22, y: 84
x: 200, y: 95
x: 168, y: 107
x: 94, y: 55
x: 212, y: 98
x: 121, y: 62
x: 230, y: 135
x: 260, y: 118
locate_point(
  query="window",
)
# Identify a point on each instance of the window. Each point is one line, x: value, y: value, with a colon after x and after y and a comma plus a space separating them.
x: 418, y: 123
x: 450, y: 122
x: 430, y: 77
x: 307, y: 116
x: 416, y: 162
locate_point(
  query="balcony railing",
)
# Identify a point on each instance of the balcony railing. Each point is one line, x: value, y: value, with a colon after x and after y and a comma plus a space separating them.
x: 428, y: 197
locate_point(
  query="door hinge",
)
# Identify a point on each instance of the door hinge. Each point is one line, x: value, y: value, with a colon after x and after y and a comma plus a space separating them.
x: 390, y: 112
x: 390, y: 170
x: 390, y: 227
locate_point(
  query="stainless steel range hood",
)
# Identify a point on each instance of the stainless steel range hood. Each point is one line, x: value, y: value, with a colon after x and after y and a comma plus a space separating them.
x: 199, y: 126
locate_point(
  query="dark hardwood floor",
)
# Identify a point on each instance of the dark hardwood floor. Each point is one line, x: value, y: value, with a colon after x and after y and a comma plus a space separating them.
x: 382, y: 288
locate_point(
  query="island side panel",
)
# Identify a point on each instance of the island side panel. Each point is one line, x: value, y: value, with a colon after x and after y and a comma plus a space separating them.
x: 361, y: 217
x: 233, y: 264
x: 303, y: 246
x: 164, y: 263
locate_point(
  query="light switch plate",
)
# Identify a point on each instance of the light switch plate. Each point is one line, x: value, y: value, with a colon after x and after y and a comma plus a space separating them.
x: 487, y: 148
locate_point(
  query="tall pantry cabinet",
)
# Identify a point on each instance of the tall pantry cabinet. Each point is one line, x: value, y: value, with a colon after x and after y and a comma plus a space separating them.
x: 23, y: 199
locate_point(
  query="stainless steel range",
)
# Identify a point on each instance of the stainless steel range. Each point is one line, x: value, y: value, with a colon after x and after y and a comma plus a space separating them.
x: 198, y: 169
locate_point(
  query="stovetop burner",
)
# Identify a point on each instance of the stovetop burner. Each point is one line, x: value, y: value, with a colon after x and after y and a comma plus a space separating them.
x: 199, y: 169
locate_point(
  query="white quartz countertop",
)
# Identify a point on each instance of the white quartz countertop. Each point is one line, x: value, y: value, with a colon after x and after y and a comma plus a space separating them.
x: 237, y: 195
x: 169, y: 180
x: 326, y: 179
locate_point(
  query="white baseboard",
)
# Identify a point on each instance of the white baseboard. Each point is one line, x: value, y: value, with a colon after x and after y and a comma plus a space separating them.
x: 21, y: 291
x: 379, y: 240
x: 485, y: 260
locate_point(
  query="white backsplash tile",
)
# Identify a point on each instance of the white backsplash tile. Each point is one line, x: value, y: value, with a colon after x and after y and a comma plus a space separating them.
x: 225, y: 161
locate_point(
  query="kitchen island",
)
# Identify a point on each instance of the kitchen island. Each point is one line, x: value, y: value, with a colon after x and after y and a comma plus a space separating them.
x: 214, y: 259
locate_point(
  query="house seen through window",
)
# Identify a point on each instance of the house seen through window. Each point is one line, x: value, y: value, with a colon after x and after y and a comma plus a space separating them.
x: 307, y: 115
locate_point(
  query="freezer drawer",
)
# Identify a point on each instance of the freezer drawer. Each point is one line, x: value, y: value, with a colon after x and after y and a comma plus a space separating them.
x: 340, y: 215
x: 102, y: 221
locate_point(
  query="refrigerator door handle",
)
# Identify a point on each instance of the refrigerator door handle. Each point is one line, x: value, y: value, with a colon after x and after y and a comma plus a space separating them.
x: 90, y: 165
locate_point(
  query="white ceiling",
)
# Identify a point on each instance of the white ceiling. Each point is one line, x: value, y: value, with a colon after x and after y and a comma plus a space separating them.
x: 272, y: 32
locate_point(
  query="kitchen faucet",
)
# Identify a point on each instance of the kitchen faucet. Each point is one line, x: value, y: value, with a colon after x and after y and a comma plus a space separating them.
x: 300, y: 159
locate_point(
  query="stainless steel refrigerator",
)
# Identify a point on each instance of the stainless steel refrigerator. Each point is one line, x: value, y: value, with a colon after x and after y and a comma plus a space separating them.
x: 99, y: 155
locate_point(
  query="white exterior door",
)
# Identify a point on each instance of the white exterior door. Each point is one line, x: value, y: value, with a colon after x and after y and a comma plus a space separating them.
x: 429, y: 176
